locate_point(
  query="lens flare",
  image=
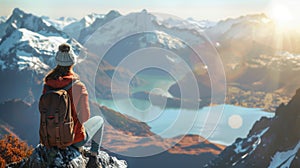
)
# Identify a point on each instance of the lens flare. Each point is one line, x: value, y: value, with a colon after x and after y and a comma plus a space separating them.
x: 235, y: 121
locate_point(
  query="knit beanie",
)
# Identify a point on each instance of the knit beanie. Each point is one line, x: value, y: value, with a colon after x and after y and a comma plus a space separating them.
x: 65, y: 55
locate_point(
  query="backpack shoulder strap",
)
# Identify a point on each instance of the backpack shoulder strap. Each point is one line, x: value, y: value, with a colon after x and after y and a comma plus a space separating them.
x: 49, y: 89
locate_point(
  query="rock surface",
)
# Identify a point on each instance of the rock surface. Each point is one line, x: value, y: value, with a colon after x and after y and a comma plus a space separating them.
x: 68, y: 158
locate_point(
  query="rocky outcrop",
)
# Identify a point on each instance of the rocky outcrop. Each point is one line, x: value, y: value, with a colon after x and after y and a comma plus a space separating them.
x: 70, y: 157
x: 125, y: 123
x: 272, y: 142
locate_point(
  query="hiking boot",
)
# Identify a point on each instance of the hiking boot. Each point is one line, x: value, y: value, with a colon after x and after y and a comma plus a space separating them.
x: 93, y: 162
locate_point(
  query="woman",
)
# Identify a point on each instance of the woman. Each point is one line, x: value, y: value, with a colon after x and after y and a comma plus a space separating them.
x: 85, y: 128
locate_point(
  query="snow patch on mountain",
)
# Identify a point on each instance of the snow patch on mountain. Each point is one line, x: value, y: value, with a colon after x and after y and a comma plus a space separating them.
x: 203, y: 24
x: 255, y: 140
x: 26, y: 60
x: 27, y: 49
x: 86, y: 32
x: 177, y: 23
x: 284, y: 159
x: 162, y: 38
x: 119, y: 27
x: 272, y: 142
x: 89, y: 19
x: 29, y: 42
x: 59, y: 23
x: 188, y: 24
x: 40, y: 43
x: 20, y: 19
x: 3, y: 19
x: 75, y: 28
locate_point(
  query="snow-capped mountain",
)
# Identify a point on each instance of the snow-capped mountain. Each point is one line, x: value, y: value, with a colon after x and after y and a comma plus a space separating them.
x: 30, y: 43
x: 203, y: 24
x: 239, y: 25
x: 59, y: 23
x: 139, y: 30
x: 74, y: 29
x: 272, y: 142
x: 27, y: 52
x: 158, y: 40
x: 98, y: 22
x: 244, y: 30
x: 144, y: 21
x: 190, y: 23
x: 256, y: 28
x: 248, y: 60
x: 24, y: 49
x: 20, y: 19
x: 247, y: 45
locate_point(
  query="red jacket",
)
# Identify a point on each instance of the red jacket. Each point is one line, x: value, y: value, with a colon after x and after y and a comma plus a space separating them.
x: 79, y: 96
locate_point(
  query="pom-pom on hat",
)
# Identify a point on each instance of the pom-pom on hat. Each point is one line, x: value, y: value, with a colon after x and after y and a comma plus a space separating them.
x: 65, y: 55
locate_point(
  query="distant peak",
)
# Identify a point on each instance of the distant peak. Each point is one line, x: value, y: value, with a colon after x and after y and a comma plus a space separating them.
x: 191, y: 19
x: 144, y: 11
x: 251, y: 16
x: 18, y: 11
x: 113, y: 13
x: 62, y: 18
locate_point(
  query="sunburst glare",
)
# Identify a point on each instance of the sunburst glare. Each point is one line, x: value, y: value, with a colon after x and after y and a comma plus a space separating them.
x: 282, y: 15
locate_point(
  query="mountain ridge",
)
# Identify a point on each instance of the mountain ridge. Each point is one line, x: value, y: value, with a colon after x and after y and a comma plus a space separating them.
x: 266, y: 142
x: 29, y: 39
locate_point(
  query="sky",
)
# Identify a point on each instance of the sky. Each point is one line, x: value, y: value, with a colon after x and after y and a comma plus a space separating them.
x: 198, y: 9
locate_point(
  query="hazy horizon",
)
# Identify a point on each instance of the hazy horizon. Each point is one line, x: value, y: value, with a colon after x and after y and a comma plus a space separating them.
x: 213, y: 10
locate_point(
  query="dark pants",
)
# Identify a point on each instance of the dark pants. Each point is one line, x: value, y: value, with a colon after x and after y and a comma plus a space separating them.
x: 94, y: 130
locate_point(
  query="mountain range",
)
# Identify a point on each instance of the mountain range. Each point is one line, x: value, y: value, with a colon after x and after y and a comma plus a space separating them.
x: 27, y: 49
x: 250, y: 62
x: 256, y: 58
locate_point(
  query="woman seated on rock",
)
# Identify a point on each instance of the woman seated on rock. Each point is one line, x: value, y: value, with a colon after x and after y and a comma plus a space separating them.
x: 85, y: 128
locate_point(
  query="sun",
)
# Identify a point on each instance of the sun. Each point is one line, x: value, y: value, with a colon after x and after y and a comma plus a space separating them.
x: 281, y: 15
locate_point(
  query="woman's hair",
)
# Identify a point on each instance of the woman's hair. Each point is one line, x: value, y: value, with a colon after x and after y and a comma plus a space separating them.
x: 61, y: 71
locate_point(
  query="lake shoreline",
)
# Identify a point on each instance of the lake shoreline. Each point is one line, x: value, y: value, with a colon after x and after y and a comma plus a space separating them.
x: 172, y: 122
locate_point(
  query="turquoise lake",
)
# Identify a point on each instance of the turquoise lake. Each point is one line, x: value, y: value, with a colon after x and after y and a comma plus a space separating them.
x: 221, y: 123
x: 225, y: 122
